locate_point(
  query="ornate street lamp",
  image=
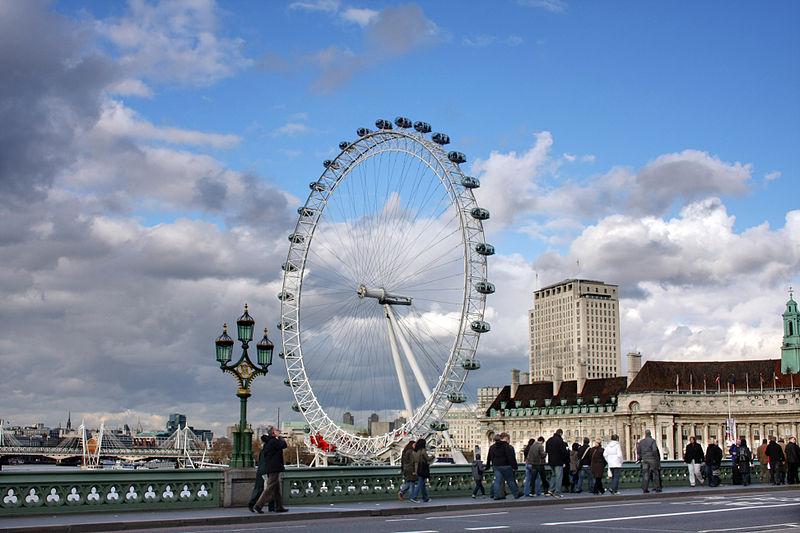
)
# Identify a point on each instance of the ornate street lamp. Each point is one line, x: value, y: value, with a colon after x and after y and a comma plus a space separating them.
x: 245, y: 371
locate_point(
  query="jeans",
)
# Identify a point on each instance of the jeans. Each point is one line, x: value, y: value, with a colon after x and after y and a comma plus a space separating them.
x: 583, y: 473
x: 504, y: 473
x: 534, y: 475
x: 407, y: 486
x: 420, y: 488
x: 558, y: 474
x: 615, y: 475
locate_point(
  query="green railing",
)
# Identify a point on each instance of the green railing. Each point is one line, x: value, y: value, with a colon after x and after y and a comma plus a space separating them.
x: 107, y: 490
x: 310, y: 485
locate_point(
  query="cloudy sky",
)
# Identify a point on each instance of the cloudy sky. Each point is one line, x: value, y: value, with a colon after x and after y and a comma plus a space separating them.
x: 153, y: 154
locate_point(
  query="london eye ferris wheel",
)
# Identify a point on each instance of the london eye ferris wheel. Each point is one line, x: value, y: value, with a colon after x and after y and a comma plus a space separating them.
x: 384, y: 289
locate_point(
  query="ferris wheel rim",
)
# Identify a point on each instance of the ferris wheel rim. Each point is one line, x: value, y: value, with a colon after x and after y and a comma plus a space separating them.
x: 472, y: 305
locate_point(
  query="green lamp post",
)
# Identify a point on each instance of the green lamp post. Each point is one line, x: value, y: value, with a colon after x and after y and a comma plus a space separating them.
x: 245, y: 371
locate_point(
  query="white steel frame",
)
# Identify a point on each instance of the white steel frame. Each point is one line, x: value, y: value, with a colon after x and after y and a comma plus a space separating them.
x: 465, y: 344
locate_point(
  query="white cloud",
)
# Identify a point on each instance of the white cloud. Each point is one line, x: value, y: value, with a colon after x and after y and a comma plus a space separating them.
x: 554, y: 6
x: 131, y: 87
x: 361, y: 16
x: 174, y: 42
x: 292, y: 129
x: 772, y: 176
x: 329, y: 6
x: 121, y: 121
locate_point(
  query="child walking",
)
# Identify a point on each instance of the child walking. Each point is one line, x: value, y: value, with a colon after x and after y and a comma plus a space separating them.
x: 477, y: 476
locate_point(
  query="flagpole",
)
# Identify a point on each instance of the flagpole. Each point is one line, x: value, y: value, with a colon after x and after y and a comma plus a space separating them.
x: 747, y: 381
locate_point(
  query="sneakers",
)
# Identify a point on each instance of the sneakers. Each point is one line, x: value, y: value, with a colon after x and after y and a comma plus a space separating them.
x: 400, y: 496
x: 426, y: 500
x: 412, y: 500
x: 473, y: 496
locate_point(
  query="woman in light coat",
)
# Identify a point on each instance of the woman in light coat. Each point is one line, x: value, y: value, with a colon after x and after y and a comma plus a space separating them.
x: 614, y: 458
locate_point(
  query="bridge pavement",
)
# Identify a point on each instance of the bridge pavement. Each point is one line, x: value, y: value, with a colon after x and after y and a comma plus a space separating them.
x: 726, y: 509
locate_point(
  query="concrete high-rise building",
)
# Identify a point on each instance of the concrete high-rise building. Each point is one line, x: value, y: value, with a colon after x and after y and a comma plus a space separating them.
x: 348, y: 419
x: 574, y: 331
x: 175, y: 422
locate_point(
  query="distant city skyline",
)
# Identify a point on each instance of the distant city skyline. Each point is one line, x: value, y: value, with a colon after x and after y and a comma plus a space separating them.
x: 154, y: 155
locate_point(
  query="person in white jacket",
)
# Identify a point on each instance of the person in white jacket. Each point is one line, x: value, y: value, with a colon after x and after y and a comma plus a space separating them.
x: 614, y: 458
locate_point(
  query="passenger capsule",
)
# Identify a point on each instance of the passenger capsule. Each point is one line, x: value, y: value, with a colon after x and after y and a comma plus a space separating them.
x: 457, y: 397
x: 305, y: 211
x: 306, y: 429
x: 295, y: 407
x: 363, y: 132
x: 288, y: 267
x: 484, y: 248
x: 470, y: 183
x: 470, y: 364
x: 316, y: 186
x: 479, y: 213
x: 440, y: 425
x: 383, y: 124
x: 296, y: 238
x: 402, y: 122
x: 344, y: 145
x: 457, y: 157
x: 330, y: 164
x: 284, y: 326
x: 285, y: 296
x: 422, y: 127
x: 480, y: 326
x: 484, y: 287
x: 282, y: 355
x: 287, y: 382
x: 440, y: 138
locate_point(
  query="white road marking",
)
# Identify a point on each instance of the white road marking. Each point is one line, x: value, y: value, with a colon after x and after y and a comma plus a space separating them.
x: 420, y: 531
x: 793, y: 525
x: 464, y: 516
x: 611, y: 505
x: 663, y: 515
x: 485, y: 528
x: 401, y: 519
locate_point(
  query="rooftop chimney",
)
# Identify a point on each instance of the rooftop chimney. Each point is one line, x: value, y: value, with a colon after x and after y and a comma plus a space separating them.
x: 581, y: 375
x: 558, y: 377
x: 634, y: 365
x: 514, y: 382
x: 524, y: 378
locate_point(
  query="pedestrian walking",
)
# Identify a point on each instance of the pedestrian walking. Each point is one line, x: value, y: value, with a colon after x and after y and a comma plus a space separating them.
x: 528, y: 470
x: 584, y: 460
x: 597, y: 467
x: 782, y: 464
x: 477, y: 476
x: 273, y: 454
x: 614, y: 458
x: 693, y: 457
x: 713, y: 462
x: 407, y: 470
x: 792, y: 452
x: 504, y: 464
x: 534, y: 462
x: 422, y: 467
x: 744, y: 460
x: 736, y: 478
x: 261, y: 469
x: 649, y: 456
x: 566, y: 482
x: 555, y: 458
x: 763, y: 462
x: 775, y: 457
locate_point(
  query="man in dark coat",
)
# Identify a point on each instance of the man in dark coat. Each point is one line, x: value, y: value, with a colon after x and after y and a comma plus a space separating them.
x: 556, y: 457
x: 260, y: 471
x: 776, y: 457
x: 792, y: 460
x: 693, y: 457
x: 713, y: 462
x: 273, y: 453
x: 649, y: 456
x: 503, y: 459
x: 584, y: 460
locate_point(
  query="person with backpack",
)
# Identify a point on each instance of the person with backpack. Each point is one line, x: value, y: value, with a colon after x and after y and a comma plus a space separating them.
x: 744, y: 459
x: 407, y: 469
x: 584, y: 460
x: 477, y: 476
x: 422, y: 467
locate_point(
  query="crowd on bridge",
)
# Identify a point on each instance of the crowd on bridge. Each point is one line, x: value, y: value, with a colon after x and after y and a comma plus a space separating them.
x: 553, y: 467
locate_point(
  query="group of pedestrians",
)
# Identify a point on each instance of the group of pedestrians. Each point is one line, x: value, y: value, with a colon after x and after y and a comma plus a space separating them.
x: 268, y: 474
x: 779, y: 461
x: 415, y: 463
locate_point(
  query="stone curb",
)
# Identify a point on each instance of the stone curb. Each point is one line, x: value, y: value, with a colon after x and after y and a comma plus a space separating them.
x: 394, y: 511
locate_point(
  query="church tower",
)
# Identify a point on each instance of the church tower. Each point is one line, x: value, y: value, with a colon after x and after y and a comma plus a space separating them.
x: 790, y: 349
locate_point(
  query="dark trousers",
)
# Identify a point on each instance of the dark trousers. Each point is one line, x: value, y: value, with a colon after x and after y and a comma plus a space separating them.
x: 649, y: 469
x: 597, y: 485
x: 272, y: 492
x: 479, y: 487
x: 258, y: 488
x: 791, y: 473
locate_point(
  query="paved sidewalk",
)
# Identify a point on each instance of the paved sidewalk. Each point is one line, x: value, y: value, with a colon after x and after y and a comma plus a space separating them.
x: 70, y: 523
